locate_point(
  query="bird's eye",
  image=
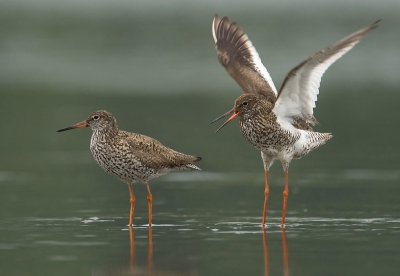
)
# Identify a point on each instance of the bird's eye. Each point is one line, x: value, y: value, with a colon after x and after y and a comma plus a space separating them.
x: 96, y: 117
x: 244, y: 103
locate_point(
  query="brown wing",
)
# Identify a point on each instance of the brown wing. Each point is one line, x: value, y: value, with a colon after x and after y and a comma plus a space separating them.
x: 241, y: 60
x: 155, y: 155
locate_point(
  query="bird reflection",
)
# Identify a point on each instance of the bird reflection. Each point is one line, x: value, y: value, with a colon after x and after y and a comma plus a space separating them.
x: 149, y: 251
x: 136, y: 267
x: 266, y: 266
x: 132, y: 255
x: 285, y: 253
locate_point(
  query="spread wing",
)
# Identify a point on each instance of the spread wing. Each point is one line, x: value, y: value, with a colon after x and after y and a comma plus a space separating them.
x: 298, y: 94
x: 240, y: 59
x: 155, y: 155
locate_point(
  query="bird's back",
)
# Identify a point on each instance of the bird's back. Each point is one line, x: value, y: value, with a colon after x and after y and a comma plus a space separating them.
x: 154, y: 154
x: 136, y: 157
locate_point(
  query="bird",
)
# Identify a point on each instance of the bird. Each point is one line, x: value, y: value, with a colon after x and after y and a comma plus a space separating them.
x: 131, y: 157
x: 277, y: 123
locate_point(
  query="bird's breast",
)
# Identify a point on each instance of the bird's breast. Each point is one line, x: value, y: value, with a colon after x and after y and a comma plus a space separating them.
x: 116, y: 158
x: 266, y: 135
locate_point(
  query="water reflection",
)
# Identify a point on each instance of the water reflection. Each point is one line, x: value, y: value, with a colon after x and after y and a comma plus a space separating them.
x: 132, y: 255
x: 150, y: 268
x: 199, y: 245
x: 285, y: 254
x: 284, y: 249
x: 265, y: 244
x: 150, y: 264
x: 150, y: 251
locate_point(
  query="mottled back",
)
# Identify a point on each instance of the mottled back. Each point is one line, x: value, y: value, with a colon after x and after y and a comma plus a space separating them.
x: 154, y: 154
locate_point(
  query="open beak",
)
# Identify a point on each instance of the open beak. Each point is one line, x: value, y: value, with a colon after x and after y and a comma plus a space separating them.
x: 78, y: 125
x: 223, y: 115
x: 234, y: 115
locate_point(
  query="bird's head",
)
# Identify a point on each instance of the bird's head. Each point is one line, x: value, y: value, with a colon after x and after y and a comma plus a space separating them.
x: 100, y: 120
x: 246, y: 106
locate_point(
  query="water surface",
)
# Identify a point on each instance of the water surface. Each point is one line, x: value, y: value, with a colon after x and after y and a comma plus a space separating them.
x: 155, y: 68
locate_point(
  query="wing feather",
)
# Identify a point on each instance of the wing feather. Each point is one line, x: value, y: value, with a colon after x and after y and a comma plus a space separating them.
x: 298, y: 94
x: 154, y: 154
x: 239, y: 57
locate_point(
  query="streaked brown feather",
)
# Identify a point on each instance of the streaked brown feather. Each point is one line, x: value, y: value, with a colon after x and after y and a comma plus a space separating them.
x: 234, y: 54
x: 154, y: 154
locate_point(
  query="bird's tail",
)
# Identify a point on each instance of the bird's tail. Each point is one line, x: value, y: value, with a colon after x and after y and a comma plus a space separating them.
x: 317, y: 139
x: 198, y: 158
x: 193, y: 167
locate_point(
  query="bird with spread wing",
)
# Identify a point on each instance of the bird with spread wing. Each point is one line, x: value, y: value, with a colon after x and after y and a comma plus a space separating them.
x: 278, y: 123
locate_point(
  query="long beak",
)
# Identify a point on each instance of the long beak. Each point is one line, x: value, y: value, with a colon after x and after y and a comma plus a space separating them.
x: 234, y: 115
x: 223, y: 115
x: 78, y: 125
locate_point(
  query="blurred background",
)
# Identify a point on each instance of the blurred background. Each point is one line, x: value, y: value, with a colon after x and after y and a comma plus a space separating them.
x: 153, y: 65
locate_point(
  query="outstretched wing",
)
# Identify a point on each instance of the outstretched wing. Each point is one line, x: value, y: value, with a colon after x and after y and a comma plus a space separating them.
x: 240, y: 59
x: 298, y: 94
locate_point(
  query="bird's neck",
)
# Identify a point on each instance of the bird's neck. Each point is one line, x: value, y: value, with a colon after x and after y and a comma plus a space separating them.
x: 257, y: 113
x: 260, y: 118
x: 102, y: 135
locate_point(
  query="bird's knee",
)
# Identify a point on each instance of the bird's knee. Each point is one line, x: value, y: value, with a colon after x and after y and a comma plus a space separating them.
x: 286, y: 193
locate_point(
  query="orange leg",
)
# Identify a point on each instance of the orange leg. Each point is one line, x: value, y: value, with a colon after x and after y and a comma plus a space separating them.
x: 285, y: 197
x: 150, y: 203
x: 266, y: 194
x: 132, y: 199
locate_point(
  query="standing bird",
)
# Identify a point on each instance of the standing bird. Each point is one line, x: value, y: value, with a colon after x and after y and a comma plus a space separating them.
x: 131, y: 157
x: 276, y: 123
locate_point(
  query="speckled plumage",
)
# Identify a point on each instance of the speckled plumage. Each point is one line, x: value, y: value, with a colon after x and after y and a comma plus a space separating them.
x: 276, y: 123
x: 258, y: 124
x: 131, y: 157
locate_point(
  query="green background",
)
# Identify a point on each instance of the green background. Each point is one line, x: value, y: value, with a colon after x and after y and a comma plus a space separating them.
x: 153, y: 65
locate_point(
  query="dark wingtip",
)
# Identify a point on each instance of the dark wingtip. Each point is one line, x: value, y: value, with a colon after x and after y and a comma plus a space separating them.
x: 198, y: 158
x: 375, y: 24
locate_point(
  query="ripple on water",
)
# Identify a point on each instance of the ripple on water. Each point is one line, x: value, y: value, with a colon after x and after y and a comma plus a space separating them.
x: 207, y: 227
x: 7, y: 246
x: 62, y: 258
x: 64, y: 243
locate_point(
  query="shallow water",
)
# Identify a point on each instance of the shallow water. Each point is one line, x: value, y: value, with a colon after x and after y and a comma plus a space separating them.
x: 155, y: 68
x: 203, y: 228
x: 201, y: 245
